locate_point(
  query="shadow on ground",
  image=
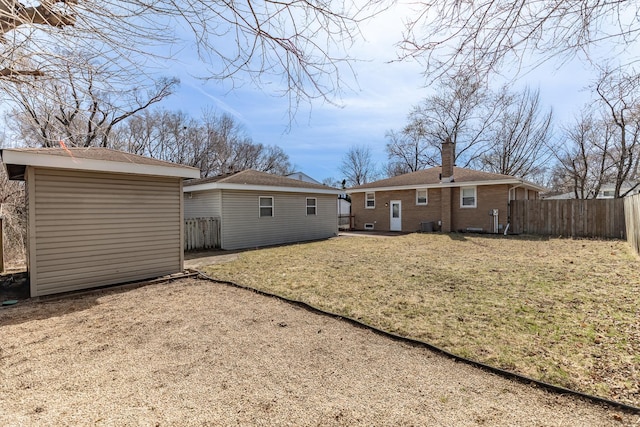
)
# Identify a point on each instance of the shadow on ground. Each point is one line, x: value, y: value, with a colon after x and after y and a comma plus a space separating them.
x: 14, y: 286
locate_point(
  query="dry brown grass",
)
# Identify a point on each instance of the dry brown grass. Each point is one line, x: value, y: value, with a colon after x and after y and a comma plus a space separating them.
x: 562, y: 311
x: 198, y: 353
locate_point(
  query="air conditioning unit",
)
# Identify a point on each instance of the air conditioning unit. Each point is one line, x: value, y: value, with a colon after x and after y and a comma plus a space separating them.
x: 427, y: 226
x: 368, y: 226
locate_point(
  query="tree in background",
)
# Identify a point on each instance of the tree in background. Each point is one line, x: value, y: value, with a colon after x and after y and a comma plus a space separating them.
x: 520, y: 136
x: 583, y: 165
x: 619, y: 96
x: 14, y: 216
x: 82, y: 105
x: 603, y: 146
x: 358, y: 166
x: 460, y: 110
x: 500, y: 132
x: 407, y: 150
x: 216, y: 144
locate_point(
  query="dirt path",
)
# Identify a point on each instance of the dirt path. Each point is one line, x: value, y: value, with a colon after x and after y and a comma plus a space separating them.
x: 194, y: 352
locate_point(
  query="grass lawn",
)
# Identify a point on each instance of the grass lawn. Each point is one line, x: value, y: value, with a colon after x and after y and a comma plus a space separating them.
x: 562, y: 311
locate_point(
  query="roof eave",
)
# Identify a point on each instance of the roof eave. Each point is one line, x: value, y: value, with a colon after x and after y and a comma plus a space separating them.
x: 254, y: 187
x: 513, y: 181
x: 17, y: 157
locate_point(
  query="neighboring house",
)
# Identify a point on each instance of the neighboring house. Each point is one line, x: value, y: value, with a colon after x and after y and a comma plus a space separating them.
x: 447, y: 198
x: 607, y: 191
x: 261, y: 209
x: 301, y: 176
x: 98, y: 217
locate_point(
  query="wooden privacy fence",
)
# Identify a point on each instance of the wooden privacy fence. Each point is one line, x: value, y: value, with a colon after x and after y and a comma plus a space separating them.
x: 569, y: 218
x: 632, y: 217
x: 201, y: 233
x: 346, y: 222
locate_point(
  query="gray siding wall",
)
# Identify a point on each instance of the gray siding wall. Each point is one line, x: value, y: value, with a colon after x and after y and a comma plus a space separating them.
x: 202, y: 204
x: 242, y: 226
x: 94, y: 229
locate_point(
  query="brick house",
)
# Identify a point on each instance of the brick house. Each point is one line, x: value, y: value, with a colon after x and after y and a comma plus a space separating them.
x: 445, y: 198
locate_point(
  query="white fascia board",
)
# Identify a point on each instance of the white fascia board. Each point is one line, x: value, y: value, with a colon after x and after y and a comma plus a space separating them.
x: 446, y: 185
x: 252, y: 187
x: 77, y: 163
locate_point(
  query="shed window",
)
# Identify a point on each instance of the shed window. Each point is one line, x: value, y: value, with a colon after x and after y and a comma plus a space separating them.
x: 266, y: 206
x: 468, y: 197
x: 421, y: 196
x: 311, y: 205
x: 370, y: 200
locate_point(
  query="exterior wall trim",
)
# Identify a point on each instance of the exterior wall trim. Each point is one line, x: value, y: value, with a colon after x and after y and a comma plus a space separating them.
x: 32, y: 263
x: 92, y: 165
x: 253, y: 187
x: 445, y: 185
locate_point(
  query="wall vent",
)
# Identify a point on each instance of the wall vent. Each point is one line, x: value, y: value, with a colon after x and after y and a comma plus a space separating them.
x: 368, y: 226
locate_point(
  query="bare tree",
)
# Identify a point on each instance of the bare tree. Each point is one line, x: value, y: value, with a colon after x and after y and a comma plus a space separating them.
x: 619, y: 93
x: 214, y: 143
x: 407, y: 150
x: 483, y: 35
x: 358, y: 166
x: 14, y: 218
x: 584, y: 165
x: 520, y: 136
x: 80, y: 108
x: 463, y: 109
x: 295, y: 43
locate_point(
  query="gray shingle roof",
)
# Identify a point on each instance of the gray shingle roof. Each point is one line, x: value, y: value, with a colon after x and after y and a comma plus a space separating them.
x: 99, y: 153
x: 98, y: 159
x: 432, y: 176
x: 253, y: 177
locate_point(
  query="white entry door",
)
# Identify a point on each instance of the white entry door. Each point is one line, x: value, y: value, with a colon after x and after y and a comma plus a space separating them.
x: 396, y: 215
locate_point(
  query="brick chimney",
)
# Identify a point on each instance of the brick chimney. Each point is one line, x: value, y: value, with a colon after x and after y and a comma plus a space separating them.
x: 448, y: 157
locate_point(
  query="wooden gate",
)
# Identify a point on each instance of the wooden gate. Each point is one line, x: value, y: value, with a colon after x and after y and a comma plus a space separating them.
x: 201, y: 233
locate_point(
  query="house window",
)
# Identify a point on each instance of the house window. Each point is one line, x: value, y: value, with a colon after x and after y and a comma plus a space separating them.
x: 370, y: 200
x: 311, y: 205
x: 266, y: 206
x: 468, y: 197
x: 421, y: 196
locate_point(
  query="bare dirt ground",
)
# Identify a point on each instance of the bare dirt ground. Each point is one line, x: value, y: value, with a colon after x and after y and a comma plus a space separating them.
x: 193, y: 352
x: 563, y: 311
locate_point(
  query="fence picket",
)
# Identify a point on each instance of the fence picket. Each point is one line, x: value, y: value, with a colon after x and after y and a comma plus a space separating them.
x: 201, y: 233
x: 632, y: 220
x: 572, y: 218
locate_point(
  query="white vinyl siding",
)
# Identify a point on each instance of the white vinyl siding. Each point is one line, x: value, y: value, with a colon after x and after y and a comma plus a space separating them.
x: 241, y: 228
x: 95, y: 229
x: 202, y: 204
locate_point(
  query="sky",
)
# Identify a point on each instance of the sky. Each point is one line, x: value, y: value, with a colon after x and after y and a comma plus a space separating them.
x: 378, y: 101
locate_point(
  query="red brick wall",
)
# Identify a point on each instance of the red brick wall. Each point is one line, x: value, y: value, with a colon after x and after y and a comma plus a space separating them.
x: 488, y: 198
x: 412, y: 214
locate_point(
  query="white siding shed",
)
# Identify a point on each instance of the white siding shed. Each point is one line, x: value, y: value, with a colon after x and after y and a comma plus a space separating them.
x: 98, y: 217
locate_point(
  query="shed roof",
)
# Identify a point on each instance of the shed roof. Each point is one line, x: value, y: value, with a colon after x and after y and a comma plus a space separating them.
x: 91, y: 159
x: 255, y: 180
x: 431, y: 178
